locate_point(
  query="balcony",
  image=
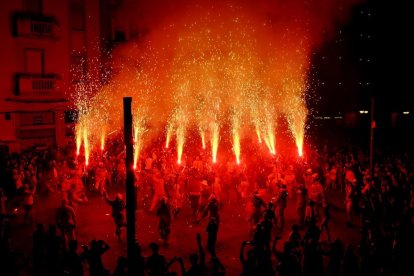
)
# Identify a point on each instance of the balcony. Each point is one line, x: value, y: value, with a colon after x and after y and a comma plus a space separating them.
x: 38, y: 86
x: 35, y: 27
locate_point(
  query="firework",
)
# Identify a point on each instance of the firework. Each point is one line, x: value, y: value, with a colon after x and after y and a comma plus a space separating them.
x: 224, y: 68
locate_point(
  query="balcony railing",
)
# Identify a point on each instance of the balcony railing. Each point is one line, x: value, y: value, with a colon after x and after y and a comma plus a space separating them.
x: 38, y: 86
x: 35, y: 27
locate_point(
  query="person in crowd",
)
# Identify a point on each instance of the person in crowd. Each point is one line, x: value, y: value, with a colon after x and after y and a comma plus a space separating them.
x: 301, y: 200
x: 39, y: 249
x: 155, y: 264
x: 212, y: 209
x: 118, y: 205
x: 28, y: 200
x: 269, y: 220
x: 326, y: 218
x: 72, y: 260
x: 316, y: 194
x: 197, y: 261
x: 66, y: 220
x: 3, y: 202
x: 281, y: 203
x: 350, y: 199
x: 164, y: 225
x: 258, y: 204
x: 159, y: 189
x: 249, y: 263
x: 54, y: 250
x: 93, y: 256
x: 212, y: 230
x: 138, y: 259
x: 121, y: 267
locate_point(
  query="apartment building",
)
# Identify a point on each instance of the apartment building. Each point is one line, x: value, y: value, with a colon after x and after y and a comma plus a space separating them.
x: 47, y: 47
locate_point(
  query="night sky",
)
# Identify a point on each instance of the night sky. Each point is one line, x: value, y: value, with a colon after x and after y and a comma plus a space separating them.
x: 370, y: 55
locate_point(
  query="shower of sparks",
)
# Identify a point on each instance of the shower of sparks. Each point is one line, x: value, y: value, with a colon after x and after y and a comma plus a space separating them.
x: 78, y: 133
x: 259, y: 136
x: 180, y: 132
x: 103, y: 140
x: 235, y: 130
x: 168, y: 136
x: 203, y: 138
x: 215, y: 134
x: 86, y: 146
x: 139, y: 130
x: 229, y: 68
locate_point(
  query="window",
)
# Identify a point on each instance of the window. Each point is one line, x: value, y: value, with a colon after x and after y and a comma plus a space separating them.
x: 77, y: 15
x: 34, y: 61
x: 71, y: 116
x: 36, y: 118
x: 36, y: 134
x: 32, y: 6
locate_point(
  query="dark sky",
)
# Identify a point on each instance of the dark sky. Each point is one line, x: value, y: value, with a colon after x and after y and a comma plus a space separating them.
x: 370, y: 55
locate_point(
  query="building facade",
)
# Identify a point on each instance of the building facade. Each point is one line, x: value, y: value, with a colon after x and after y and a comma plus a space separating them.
x: 47, y: 48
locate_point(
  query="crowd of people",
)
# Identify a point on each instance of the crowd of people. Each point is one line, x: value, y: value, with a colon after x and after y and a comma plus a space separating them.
x: 378, y: 203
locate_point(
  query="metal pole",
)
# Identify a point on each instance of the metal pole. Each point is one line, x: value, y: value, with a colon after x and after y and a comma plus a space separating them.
x: 371, y: 144
x: 130, y: 189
